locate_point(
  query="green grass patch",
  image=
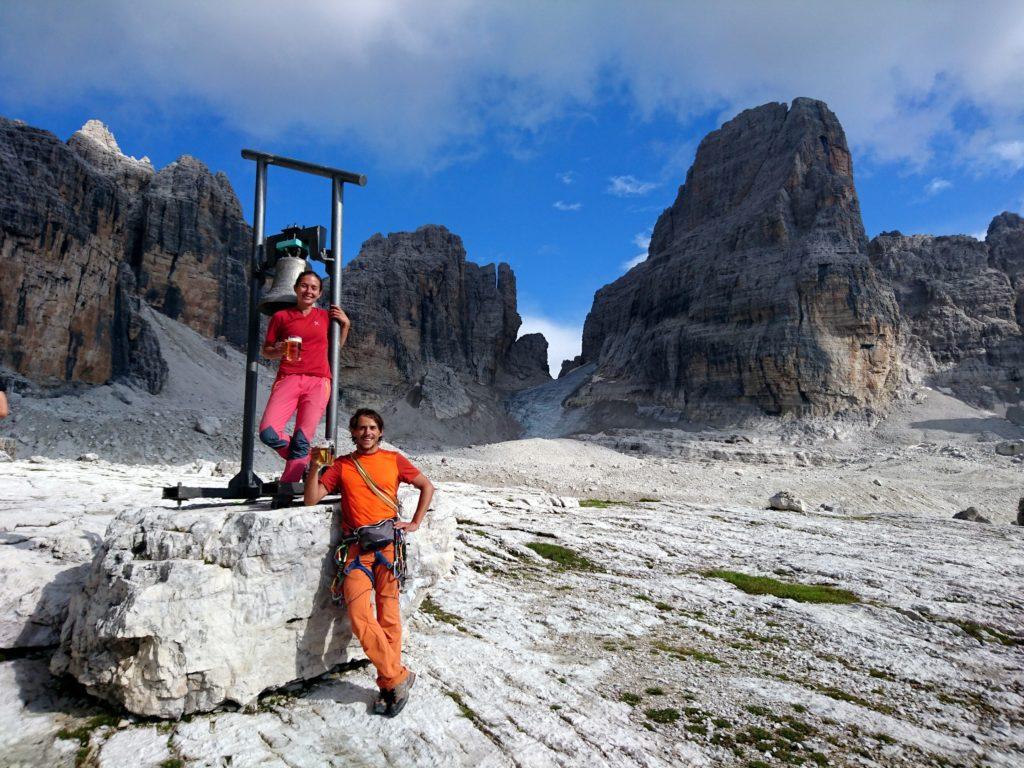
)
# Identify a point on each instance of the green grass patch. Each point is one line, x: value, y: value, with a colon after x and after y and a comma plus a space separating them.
x: 464, y: 709
x: 83, y: 733
x: 984, y: 633
x: 654, y: 690
x: 840, y: 695
x: 629, y: 698
x: 173, y: 762
x: 598, y: 503
x: 645, y: 500
x: 561, y: 556
x: 765, y: 585
x: 757, y: 709
x: 666, y: 715
x: 663, y: 606
x: 683, y: 653
x: 429, y: 607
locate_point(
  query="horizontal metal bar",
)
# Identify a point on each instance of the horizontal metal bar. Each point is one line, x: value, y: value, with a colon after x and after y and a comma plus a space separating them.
x: 304, y: 167
x: 181, y: 492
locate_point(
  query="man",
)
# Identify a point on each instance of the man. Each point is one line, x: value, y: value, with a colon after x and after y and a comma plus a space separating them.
x: 368, y: 573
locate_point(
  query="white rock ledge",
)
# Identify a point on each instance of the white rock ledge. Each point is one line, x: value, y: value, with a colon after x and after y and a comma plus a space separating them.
x: 188, y: 610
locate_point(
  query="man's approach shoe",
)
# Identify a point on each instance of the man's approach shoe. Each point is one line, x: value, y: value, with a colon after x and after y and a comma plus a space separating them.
x: 380, y: 704
x: 398, y: 696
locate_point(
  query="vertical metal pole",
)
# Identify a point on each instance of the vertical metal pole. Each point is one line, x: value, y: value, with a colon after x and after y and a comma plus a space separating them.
x: 334, y: 354
x: 245, y: 482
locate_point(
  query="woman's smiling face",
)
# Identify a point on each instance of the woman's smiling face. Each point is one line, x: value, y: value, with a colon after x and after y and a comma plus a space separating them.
x: 307, y: 290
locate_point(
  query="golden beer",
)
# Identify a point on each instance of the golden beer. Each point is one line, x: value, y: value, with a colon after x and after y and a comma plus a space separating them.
x: 323, y: 454
x: 293, y: 349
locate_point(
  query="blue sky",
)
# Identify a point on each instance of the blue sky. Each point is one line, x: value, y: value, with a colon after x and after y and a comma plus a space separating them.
x: 548, y: 135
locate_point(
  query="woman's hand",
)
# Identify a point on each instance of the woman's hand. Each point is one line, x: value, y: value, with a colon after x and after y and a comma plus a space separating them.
x: 274, y: 351
x: 337, y: 313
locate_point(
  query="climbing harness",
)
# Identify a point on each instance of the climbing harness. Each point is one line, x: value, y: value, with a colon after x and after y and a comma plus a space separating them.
x: 397, y: 566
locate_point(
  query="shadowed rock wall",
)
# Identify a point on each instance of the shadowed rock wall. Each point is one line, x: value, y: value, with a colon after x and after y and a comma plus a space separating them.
x: 70, y: 215
x: 962, y: 303
x: 425, y: 320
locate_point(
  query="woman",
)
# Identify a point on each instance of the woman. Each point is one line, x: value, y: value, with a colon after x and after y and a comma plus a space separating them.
x: 303, y: 385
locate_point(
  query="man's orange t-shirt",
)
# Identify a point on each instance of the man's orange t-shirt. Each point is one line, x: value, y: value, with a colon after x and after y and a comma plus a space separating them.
x: 359, y: 505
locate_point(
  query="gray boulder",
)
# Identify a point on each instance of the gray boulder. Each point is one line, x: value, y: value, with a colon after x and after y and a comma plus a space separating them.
x: 208, y: 425
x: 786, y: 501
x: 1015, y: 415
x: 971, y: 514
x: 186, y: 611
x: 1010, y: 448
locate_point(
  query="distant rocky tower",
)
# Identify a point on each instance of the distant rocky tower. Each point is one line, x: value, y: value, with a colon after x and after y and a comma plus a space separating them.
x: 85, y: 230
x: 962, y: 304
x: 757, y: 294
x: 431, y: 327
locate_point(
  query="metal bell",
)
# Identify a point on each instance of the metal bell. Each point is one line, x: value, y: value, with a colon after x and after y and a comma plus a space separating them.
x: 282, y: 292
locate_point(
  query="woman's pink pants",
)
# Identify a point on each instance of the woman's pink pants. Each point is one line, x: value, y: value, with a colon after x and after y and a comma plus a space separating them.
x: 306, y: 397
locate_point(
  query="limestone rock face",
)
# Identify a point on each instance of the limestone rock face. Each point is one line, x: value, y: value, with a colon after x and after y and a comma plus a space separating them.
x: 70, y: 215
x: 962, y: 303
x: 757, y: 294
x: 185, y: 611
x: 417, y: 305
x: 195, y: 249
x: 64, y: 227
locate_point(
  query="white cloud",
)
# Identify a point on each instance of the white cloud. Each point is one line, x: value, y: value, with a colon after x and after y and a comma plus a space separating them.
x: 982, y: 235
x: 431, y: 82
x: 628, y: 186
x: 567, y: 177
x: 628, y: 265
x: 565, y: 340
x: 1011, y: 152
x: 564, y: 206
x: 937, y: 185
x: 640, y: 240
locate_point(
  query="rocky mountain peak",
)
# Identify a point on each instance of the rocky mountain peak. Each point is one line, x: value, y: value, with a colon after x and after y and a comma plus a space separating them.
x: 87, y: 230
x: 768, y: 175
x: 435, y: 329
x: 97, y: 131
x: 95, y: 138
x: 758, y: 292
x: 96, y: 145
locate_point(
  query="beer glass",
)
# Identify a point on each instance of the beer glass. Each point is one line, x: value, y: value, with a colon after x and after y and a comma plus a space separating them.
x: 293, y: 349
x: 323, y: 453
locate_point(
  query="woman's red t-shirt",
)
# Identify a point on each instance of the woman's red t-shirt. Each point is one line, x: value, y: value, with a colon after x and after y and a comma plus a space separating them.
x: 312, y: 329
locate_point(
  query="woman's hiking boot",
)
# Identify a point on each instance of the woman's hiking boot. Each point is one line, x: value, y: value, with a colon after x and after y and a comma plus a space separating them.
x: 398, y: 696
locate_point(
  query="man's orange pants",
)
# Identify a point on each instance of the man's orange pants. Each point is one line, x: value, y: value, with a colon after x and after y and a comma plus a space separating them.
x: 380, y: 632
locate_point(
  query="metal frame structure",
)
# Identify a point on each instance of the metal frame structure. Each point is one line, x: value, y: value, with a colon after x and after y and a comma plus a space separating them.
x: 246, y: 484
